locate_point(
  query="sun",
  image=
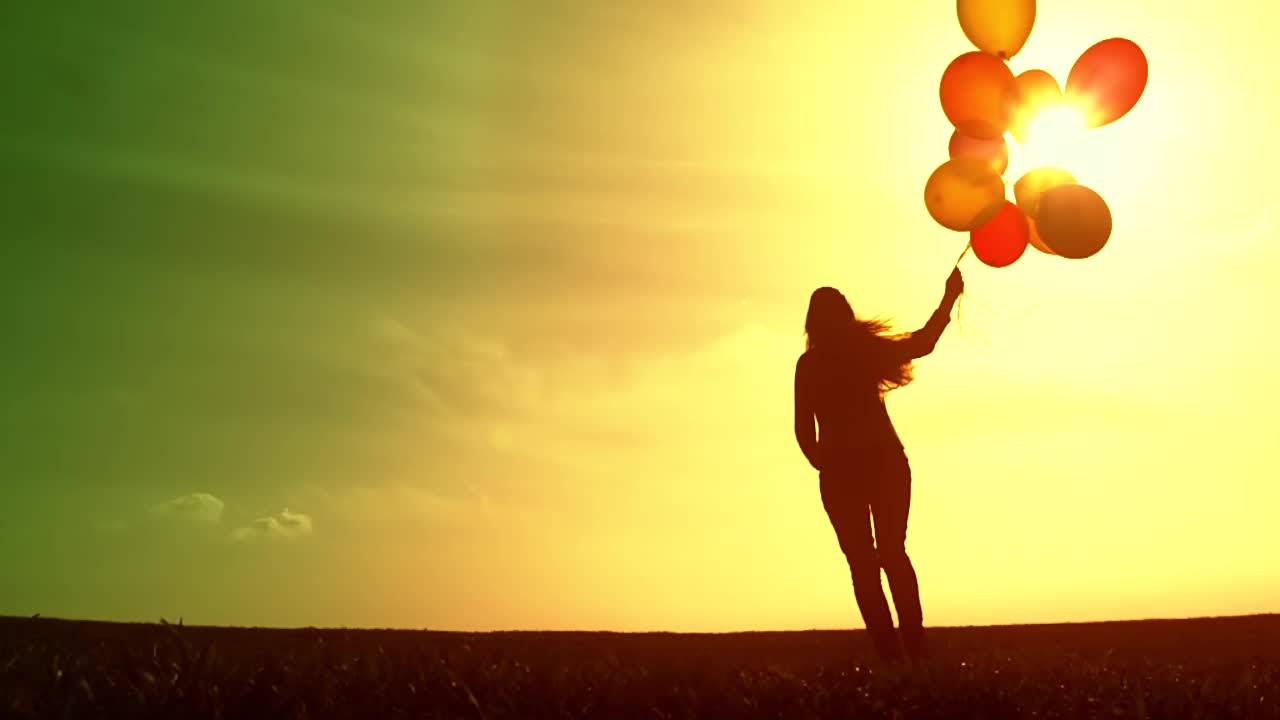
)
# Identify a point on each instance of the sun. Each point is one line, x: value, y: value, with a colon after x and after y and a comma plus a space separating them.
x: 1055, y: 125
x: 1053, y: 139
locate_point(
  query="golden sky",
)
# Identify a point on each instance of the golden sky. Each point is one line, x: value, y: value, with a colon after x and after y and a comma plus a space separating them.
x: 506, y: 304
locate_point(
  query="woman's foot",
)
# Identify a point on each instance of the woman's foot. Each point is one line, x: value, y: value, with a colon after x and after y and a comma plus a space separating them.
x: 888, y: 648
x: 913, y: 645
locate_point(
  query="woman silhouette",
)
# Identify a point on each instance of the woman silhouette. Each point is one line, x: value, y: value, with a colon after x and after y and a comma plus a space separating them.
x: 841, y: 379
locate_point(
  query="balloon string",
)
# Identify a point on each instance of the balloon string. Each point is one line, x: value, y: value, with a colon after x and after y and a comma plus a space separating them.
x: 967, y: 329
x: 960, y: 302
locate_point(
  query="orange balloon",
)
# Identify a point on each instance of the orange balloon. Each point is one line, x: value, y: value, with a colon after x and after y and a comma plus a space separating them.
x: 1037, y: 90
x: 1029, y: 188
x: 993, y: 152
x: 1033, y: 238
x: 1107, y: 80
x: 1000, y: 27
x: 1074, y: 220
x: 1003, y: 239
x: 963, y: 194
x: 978, y: 95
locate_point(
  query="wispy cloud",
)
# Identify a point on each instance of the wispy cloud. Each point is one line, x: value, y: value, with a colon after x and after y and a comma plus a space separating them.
x: 285, y: 524
x: 535, y: 426
x: 206, y: 511
x: 199, y: 508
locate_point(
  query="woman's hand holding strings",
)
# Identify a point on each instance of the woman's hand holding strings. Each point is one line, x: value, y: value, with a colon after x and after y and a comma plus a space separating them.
x: 955, y: 284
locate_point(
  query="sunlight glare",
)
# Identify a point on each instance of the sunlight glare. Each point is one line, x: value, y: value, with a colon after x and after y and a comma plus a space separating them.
x: 1056, y: 125
x: 1053, y: 139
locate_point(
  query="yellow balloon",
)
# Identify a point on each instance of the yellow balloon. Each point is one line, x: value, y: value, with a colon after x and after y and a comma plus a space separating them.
x: 964, y: 193
x: 1028, y: 189
x: 999, y: 27
x: 1037, y: 91
x: 1074, y: 220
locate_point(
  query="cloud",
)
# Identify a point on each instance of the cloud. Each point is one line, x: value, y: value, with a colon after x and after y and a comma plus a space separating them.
x: 198, y: 508
x: 205, y: 510
x: 538, y: 425
x: 283, y: 525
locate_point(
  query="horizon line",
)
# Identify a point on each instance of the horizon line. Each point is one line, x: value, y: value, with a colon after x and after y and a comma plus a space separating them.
x: 163, y: 622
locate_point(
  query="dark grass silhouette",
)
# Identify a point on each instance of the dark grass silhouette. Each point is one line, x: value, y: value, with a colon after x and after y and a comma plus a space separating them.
x: 1208, y: 668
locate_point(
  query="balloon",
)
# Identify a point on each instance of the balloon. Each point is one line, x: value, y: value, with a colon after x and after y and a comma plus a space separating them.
x: 963, y: 194
x: 1074, y: 220
x: 1033, y: 238
x: 993, y: 152
x: 1107, y: 80
x: 978, y: 95
x: 1037, y: 90
x: 1003, y: 239
x: 999, y: 27
x: 1029, y: 188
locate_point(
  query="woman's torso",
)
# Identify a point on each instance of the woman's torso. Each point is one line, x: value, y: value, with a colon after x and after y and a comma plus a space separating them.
x: 853, y: 421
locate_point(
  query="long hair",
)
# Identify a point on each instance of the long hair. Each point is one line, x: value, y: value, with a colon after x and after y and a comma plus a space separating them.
x: 831, y: 324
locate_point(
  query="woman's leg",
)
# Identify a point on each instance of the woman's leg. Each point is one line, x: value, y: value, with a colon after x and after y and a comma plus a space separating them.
x: 890, y: 506
x: 845, y: 501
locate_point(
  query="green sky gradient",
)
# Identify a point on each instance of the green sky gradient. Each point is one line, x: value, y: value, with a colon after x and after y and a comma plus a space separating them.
x: 206, y: 212
x: 211, y: 216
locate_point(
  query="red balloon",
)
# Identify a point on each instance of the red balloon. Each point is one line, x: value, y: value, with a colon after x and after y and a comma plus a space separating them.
x: 978, y: 95
x: 1107, y: 80
x: 1003, y: 239
x: 993, y: 152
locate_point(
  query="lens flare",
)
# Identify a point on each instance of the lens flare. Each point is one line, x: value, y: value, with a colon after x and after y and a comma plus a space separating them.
x: 1061, y: 123
x: 1053, y: 139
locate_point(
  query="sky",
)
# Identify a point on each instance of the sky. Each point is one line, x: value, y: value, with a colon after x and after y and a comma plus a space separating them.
x: 478, y: 316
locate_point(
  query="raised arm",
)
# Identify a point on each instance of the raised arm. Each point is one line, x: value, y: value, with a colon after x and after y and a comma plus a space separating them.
x: 806, y: 433
x: 922, y: 341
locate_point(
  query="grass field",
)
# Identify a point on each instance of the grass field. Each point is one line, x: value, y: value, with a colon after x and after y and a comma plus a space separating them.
x: 1210, y: 668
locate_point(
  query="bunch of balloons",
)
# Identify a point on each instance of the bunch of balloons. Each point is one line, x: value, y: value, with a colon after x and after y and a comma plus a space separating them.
x: 984, y: 100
